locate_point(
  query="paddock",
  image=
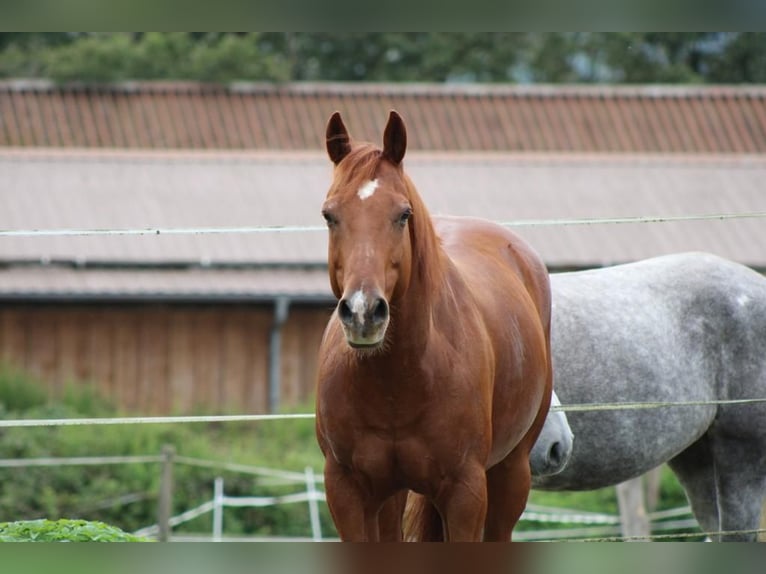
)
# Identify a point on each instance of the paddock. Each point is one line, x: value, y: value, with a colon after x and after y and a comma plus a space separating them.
x: 157, y: 277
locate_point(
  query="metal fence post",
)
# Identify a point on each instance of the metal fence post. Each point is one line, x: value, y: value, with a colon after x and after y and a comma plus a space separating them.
x: 218, y: 509
x: 165, y: 499
x: 316, y: 526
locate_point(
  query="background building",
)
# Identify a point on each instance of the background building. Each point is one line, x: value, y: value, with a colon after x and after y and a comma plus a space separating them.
x: 230, y: 322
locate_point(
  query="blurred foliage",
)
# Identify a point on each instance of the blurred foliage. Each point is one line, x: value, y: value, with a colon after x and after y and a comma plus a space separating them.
x: 604, y: 500
x: 523, y: 57
x: 112, y: 57
x: 125, y: 495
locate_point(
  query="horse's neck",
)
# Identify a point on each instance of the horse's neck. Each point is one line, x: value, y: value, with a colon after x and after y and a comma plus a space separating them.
x: 413, y: 315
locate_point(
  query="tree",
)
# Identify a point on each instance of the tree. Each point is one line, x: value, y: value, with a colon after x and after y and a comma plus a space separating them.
x: 93, y: 58
x: 742, y: 60
x: 647, y: 57
x: 234, y: 57
x: 554, y: 58
x: 630, y: 57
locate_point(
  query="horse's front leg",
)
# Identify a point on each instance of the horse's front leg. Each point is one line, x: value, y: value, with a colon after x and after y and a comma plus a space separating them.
x: 353, y: 509
x: 462, y: 502
x: 390, y: 517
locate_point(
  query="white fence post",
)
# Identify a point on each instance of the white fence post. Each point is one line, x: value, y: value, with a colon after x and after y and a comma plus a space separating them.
x: 316, y: 526
x: 218, y: 509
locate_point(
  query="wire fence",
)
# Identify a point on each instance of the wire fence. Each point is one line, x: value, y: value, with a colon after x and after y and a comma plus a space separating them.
x: 573, y: 525
x: 599, y: 527
x: 314, y: 228
x: 582, y: 407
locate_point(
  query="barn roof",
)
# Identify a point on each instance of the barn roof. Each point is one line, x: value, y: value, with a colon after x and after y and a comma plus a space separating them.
x: 87, y: 189
x: 507, y: 118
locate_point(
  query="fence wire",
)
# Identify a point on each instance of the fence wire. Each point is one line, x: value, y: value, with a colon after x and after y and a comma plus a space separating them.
x: 313, y: 228
x: 584, y: 407
x: 653, y: 537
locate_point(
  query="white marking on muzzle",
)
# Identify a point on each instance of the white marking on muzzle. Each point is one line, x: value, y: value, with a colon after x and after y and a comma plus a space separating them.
x: 367, y: 189
x: 357, y: 306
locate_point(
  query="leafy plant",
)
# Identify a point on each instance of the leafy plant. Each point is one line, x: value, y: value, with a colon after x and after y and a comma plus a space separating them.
x: 63, y: 531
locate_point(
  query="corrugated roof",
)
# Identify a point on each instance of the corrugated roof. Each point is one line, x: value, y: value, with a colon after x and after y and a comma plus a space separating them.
x: 509, y: 118
x: 113, y: 190
x: 49, y: 190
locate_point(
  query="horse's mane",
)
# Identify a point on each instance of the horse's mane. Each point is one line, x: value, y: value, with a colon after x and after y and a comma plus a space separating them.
x: 361, y: 165
x: 426, y: 248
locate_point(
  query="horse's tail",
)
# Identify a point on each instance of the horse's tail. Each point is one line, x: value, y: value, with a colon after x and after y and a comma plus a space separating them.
x: 422, y: 522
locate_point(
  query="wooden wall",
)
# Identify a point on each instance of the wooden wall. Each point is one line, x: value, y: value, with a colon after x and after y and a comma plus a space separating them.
x: 163, y: 359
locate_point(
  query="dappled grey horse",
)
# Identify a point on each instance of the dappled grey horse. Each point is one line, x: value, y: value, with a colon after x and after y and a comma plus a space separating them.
x: 554, y: 445
x: 679, y: 328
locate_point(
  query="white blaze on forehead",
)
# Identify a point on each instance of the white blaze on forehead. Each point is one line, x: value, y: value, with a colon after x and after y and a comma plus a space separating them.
x: 367, y: 189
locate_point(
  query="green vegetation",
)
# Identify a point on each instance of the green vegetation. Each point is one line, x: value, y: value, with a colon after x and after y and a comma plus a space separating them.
x: 614, y: 57
x: 125, y: 495
x: 604, y: 500
x: 63, y: 531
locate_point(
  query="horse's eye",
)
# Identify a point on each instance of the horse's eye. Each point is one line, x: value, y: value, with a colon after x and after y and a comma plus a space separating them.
x: 404, y: 217
x: 330, y: 219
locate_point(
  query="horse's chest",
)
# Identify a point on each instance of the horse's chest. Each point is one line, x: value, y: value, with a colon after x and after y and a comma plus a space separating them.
x: 406, y: 431
x: 411, y: 452
x: 388, y: 462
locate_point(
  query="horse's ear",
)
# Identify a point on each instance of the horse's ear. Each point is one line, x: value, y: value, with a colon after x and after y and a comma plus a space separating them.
x: 394, y: 138
x: 338, y: 140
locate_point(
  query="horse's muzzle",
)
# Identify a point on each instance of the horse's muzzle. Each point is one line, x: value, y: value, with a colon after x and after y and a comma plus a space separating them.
x: 364, y: 319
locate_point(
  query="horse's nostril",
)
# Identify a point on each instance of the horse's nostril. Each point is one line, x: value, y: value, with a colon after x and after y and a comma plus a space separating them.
x: 344, y: 312
x: 379, y: 311
x: 555, y: 453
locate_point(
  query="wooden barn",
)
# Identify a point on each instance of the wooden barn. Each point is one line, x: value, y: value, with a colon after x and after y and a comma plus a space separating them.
x: 230, y: 321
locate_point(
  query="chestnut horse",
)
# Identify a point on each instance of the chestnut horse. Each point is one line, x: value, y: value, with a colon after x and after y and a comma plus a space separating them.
x: 434, y: 370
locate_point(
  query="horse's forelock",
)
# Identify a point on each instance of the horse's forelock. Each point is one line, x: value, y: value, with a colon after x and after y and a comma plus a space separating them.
x: 358, y: 167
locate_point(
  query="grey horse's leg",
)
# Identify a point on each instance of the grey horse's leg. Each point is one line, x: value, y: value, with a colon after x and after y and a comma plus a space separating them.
x: 695, y: 469
x: 741, y: 474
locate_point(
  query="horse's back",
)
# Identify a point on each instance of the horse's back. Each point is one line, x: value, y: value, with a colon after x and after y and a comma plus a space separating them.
x: 686, y: 327
x: 465, y: 237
